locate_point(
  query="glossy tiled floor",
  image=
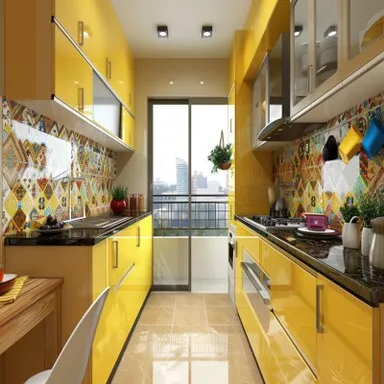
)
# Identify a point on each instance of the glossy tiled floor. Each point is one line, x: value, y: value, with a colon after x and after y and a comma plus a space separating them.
x: 188, y: 339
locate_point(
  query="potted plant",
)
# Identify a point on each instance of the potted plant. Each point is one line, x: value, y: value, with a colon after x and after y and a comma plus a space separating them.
x: 118, y: 203
x: 369, y: 209
x: 351, y: 227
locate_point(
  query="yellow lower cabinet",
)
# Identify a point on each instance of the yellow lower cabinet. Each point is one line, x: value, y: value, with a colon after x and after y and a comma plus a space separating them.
x: 293, y: 297
x: 345, y: 346
x: 146, y: 264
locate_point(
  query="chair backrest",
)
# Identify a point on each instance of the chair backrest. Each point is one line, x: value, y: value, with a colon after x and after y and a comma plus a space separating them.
x: 71, y: 364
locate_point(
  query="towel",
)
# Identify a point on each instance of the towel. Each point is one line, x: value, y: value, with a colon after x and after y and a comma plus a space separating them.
x: 12, y: 294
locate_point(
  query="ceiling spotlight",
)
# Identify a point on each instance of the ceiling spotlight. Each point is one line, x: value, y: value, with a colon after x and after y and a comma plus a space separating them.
x: 331, y: 31
x: 206, y: 31
x: 162, y: 31
x: 298, y: 30
x: 202, y: 82
x: 171, y: 82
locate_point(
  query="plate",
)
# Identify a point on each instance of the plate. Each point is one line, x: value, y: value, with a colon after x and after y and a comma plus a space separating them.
x: 53, y: 231
x: 7, y: 283
x: 327, y: 232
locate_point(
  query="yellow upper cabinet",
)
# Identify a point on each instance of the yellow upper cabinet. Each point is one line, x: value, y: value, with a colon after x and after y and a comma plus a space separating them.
x: 127, y: 128
x: 345, y: 339
x: 73, y: 76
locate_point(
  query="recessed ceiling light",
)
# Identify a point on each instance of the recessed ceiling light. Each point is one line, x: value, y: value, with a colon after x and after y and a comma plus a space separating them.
x: 206, y: 31
x: 298, y: 30
x: 330, y: 31
x: 202, y: 82
x: 171, y: 82
x: 162, y: 31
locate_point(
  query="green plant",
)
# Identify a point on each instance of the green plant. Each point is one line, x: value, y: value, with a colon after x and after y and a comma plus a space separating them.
x: 220, y: 155
x: 348, y: 211
x: 369, y: 209
x: 119, y: 192
x: 380, y: 205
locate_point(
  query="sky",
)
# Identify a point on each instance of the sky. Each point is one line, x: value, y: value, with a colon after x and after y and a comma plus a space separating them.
x: 170, y: 139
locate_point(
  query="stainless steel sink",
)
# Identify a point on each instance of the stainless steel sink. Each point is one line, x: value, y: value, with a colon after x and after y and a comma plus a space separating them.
x: 101, y: 222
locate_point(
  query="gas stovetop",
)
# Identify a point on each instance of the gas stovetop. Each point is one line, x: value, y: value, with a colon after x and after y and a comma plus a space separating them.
x: 267, y: 222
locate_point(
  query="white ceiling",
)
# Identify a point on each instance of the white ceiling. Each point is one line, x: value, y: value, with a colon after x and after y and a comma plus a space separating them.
x: 184, y: 18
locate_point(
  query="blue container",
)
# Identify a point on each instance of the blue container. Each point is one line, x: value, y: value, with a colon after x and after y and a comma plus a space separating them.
x: 374, y: 138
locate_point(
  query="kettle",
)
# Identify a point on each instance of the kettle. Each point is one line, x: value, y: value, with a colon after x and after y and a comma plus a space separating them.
x: 376, y: 252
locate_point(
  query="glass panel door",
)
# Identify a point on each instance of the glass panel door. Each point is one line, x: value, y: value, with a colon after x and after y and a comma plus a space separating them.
x: 170, y: 141
x: 190, y: 203
x: 209, y: 201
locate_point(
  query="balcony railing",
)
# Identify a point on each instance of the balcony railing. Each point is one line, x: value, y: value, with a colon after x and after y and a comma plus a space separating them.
x: 207, y: 215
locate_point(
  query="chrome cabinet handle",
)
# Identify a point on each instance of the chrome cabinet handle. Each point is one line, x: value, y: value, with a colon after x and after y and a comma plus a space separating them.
x: 319, y: 327
x: 80, y: 39
x: 81, y: 99
x: 125, y: 276
x: 138, y: 237
x: 263, y: 293
x: 116, y: 253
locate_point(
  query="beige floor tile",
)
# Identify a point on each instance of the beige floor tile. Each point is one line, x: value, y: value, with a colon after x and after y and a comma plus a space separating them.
x: 221, y: 316
x: 157, y: 316
x: 217, y: 300
x: 243, y: 370
x: 189, y: 315
x: 161, y: 300
x: 144, y: 333
x: 224, y: 344
x: 190, y: 299
x: 133, y: 371
x: 190, y: 342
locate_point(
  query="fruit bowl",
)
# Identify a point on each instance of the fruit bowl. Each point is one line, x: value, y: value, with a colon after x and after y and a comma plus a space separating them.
x: 51, y: 231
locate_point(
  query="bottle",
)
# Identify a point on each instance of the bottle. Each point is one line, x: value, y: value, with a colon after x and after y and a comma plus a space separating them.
x: 141, y: 203
x: 133, y: 203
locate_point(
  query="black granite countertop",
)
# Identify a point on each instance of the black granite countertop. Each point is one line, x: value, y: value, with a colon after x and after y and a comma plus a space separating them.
x: 345, y: 267
x: 75, y: 237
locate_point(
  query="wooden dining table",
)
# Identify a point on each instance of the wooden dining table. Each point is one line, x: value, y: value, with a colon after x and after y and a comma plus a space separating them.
x: 39, y: 301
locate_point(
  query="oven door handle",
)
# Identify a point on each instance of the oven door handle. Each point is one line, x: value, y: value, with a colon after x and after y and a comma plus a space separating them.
x: 261, y: 290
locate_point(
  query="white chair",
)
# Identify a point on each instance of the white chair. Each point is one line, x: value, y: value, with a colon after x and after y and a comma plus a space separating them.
x: 71, y: 364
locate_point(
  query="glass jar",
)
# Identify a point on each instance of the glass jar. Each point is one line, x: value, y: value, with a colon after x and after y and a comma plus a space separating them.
x: 141, y: 203
x: 133, y: 203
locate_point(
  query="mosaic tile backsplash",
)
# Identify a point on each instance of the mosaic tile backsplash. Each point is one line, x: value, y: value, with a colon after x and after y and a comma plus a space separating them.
x: 48, y: 168
x: 312, y: 185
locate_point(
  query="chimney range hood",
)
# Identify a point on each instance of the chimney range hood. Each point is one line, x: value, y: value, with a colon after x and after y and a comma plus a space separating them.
x: 274, y: 73
x: 285, y: 130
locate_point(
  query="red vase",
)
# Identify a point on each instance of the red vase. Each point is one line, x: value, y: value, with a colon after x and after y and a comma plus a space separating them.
x: 118, y: 206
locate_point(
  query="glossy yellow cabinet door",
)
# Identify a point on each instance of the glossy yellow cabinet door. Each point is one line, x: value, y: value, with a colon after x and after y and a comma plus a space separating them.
x: 75, y: 17
x: 73, y: 76
x: 127, y: 128
x: 293, y: 297
x: 344, y: 344
x: 146, y: 265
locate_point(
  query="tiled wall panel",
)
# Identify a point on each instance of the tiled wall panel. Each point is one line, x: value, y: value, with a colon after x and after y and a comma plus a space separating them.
x: 38, y: 157
x: 310, y: 185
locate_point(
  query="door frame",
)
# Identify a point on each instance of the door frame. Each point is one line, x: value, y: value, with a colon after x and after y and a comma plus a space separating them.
x: 190, y: 101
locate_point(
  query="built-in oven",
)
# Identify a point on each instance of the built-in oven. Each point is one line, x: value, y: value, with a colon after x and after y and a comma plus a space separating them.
x: 256, y: 286
x: 231, y: 261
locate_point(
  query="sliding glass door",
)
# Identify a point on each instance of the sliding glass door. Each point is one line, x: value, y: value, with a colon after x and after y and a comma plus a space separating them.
x: 189, y: 203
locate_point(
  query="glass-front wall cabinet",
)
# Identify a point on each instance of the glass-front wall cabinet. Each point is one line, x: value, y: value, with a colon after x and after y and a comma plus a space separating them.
x: 326, y: 22
x: 366, y: 24
x: 299, y: 51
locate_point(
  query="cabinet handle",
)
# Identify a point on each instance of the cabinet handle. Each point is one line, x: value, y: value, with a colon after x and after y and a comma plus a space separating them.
x: 108, y: 68
x: 138, y: 236
x: 81, y: 33
x: 81, y: 99
x: 319, y: 327
x: 116, y: 253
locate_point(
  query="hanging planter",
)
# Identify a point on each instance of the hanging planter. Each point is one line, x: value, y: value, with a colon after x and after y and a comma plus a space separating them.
x: 221, y: 155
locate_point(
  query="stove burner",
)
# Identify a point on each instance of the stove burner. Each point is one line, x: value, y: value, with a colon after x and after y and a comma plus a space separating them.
x: 278, y: 222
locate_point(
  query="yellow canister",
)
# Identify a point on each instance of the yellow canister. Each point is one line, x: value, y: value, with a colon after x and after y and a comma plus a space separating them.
x: 351, y: 144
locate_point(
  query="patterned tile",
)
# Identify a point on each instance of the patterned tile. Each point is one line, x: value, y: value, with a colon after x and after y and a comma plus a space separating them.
x: 31, y: 144
x: 324, y: 187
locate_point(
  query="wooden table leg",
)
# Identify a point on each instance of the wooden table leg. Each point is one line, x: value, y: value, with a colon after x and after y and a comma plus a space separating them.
x: 53, y: 333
